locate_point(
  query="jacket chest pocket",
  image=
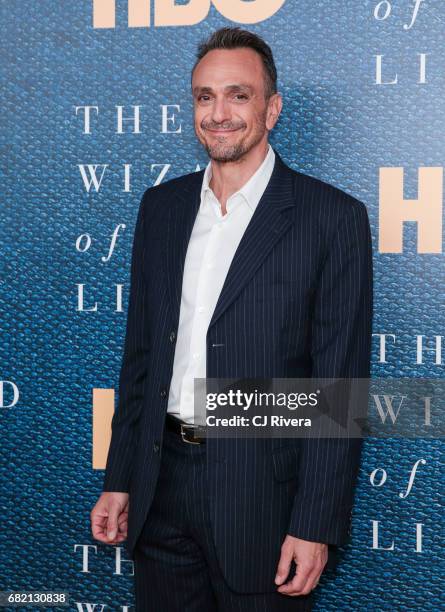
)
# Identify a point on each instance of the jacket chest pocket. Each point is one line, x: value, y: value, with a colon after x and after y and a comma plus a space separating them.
x: 285, y: 463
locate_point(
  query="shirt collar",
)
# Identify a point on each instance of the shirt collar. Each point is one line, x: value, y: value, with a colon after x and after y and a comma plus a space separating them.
x: 253, y: 189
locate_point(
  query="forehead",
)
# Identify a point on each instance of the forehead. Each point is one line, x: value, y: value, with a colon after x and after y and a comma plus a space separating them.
x: 222, y: 67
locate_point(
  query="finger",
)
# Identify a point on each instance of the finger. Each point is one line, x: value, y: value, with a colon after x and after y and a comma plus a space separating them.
x: 105, y: 539
x: 298, y: 581
x: 123, y: 528
x: 117, y: 540
x: 100, y: 533
x: 98, y: 525
x: 312, y: 580
x: 121, y: 537
x: 112, y: 522
x: 284, y: 564
x: 314, y: 576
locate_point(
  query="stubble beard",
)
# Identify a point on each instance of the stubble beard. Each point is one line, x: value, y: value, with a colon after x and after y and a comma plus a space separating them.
x: 224, y: 153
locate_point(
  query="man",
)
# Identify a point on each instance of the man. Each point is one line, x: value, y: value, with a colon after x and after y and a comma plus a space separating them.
x: 246, y: 269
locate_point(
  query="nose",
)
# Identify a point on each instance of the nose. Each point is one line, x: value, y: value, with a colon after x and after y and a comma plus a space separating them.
x: 220, y: 110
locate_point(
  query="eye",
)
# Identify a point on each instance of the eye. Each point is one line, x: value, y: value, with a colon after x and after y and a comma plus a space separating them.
x: 241, y: 96
x: 203, y: 98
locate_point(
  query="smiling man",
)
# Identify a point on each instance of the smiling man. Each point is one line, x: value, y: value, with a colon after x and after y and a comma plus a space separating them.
x: 245, y: 269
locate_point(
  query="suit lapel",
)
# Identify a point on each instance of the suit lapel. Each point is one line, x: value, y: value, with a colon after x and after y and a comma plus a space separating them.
x: 180, y: 220
x: 266, y: 227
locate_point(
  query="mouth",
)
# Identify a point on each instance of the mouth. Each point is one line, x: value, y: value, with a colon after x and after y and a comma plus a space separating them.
x: 222, y: 131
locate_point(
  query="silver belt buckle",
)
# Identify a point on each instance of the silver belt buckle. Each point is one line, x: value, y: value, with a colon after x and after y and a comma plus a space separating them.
x: 183, y: 433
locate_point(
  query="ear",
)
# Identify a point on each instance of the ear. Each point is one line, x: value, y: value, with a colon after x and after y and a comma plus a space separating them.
x: 274, y: 106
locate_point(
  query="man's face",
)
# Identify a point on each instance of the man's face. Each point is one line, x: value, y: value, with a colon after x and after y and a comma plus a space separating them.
x: 231, y: 113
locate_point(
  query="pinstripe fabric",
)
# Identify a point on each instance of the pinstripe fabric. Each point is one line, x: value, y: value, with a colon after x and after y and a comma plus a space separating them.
x: 176, y: 567
x: 213, y: 242
x: 296, y: 302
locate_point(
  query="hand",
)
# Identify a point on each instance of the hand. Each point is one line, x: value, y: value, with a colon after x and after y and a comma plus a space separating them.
x: 109, y: 518
x: 310, y: 558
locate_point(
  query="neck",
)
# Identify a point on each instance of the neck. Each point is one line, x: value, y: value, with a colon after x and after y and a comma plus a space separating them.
x: 229, y: 177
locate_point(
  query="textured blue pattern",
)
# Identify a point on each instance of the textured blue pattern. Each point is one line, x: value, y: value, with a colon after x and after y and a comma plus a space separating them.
x: 336, y: 125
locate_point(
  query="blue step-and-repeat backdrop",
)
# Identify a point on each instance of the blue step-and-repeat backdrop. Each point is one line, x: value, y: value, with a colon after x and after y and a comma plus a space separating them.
x: 97, y: 107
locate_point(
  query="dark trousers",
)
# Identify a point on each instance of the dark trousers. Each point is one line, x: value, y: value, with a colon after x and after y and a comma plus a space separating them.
x: 176, y: 568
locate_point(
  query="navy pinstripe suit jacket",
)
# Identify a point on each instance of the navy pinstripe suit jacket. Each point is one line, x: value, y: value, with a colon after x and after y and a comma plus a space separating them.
x: 296, y: 302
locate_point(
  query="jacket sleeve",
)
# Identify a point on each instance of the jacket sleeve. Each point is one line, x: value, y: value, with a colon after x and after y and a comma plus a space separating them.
x: 133, y: 370
x: 340, y: 348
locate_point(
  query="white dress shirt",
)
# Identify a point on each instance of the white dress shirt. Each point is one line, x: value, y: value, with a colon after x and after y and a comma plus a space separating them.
x: 213, y: 242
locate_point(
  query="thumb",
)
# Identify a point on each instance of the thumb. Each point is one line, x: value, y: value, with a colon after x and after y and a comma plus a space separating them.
x: 112, y: 521
x: 284, y: 565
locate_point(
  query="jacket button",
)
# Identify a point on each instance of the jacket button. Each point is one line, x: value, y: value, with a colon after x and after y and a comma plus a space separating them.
x: 156, y: 447
x: 163, y: 393
x: 172, y: 337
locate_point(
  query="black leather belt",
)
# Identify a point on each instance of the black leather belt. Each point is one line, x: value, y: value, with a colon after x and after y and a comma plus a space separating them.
x: 185, y: 430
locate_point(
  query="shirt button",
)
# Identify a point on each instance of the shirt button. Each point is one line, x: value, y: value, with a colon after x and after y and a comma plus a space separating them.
x: 164, y: 393
x: 195, y: 355
x: 201, y: 309
x: 172, y: 337
x: 156, y: 447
